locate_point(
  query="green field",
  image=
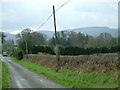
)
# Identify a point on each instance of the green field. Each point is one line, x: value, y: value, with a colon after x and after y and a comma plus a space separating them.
x: 70, y: 79
x: 5, y: 76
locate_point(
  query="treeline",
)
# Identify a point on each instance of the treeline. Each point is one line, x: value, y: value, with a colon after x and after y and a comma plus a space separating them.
x: 71, y: 38
x: 6, y: 45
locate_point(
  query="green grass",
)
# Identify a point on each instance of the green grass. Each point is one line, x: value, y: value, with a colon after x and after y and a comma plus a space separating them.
x: 5, y: 76
x: 73, y: 79
x: 0, y: 74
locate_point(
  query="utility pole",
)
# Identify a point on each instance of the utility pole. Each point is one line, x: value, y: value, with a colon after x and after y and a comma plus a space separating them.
x: 26, y: 49
x: 56, y: 46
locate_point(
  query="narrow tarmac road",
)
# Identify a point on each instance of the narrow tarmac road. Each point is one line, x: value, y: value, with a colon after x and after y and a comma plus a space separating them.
x: 24, y: 78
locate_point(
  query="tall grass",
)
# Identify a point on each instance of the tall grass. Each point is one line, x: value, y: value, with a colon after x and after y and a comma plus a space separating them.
x: 96, y: 79
x: 5, y: 76
x: 0, y: 74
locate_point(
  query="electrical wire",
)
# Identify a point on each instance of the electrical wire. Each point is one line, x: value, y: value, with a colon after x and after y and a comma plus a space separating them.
x: 51, y: 15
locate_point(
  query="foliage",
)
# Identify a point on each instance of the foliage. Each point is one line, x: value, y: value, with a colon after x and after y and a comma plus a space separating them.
x: 70, y: 43
x: 74, y: 50
x: 71, y: 38
x: 41, y: 53
x: 22, y: 43
x: 27, y: 39
x: 18, y: 53
x: 70, y: 50
x: 8, y: 46
x: 38, y: 38
x: 44, y: 49
x: 2, y: 36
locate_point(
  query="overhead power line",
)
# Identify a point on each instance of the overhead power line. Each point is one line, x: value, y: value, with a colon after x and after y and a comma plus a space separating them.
x: 44, y: 22
x: 62, y: 6
x: 51, y: 15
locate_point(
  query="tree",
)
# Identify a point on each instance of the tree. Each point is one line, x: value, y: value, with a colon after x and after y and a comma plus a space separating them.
x: 106, y: 39
x: 77, y: 39
x: 72, y: 38
x: 26, y: 31
x: 28, y: 39
x: 51, y: 41
x: 103, y: 40
x: 2, y: 36
x: 8, y: 46
x: 91, y: 42
x: 114, y: 42
x: 38, y: 38
x: 62, y: 38
x: 25, y: 40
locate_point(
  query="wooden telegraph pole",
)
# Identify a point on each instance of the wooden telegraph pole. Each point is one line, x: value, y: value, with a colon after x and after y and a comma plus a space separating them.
x: 26, y: 48
x: 56, y: 46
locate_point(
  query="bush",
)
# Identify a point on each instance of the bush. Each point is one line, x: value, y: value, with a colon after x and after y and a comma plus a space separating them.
x: 18, y: 54
x: 44, y: 49
x: 72, y: 50
x: 41, y: 53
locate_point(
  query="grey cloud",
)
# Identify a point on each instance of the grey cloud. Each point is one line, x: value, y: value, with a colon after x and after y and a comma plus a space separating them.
x: 18, y: 15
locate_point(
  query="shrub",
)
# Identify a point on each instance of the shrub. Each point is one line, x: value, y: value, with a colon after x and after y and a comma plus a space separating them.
x: 18, y: 54
x: 43, y: 49
x: 73, y: 50
x: 41, y: 53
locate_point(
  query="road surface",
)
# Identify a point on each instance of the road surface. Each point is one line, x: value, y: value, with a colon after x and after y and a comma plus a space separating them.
x: 24, y: 78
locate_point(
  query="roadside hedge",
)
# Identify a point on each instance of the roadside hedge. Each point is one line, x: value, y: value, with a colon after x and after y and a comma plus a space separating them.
x: 72, y: 50
x: 44, y: 49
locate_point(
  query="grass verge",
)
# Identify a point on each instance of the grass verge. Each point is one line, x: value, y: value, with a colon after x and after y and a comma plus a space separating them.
x: 0, y: 74
x: 5, y: 76
x: 73, y: 79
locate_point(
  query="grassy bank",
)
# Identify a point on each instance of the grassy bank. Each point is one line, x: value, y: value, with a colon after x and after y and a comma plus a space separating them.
x: 70, y: 79
x: 0, y: 74
x: 5, y: 76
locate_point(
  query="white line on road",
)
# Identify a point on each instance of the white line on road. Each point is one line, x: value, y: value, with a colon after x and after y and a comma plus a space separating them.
x: 41, y: 80
x: 18, y: 84
x: 22, y: 79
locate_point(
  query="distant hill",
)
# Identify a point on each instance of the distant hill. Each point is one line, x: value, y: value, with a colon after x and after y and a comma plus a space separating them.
x: 48, y: 33
x: 93, y: 31
x: 10, y: 36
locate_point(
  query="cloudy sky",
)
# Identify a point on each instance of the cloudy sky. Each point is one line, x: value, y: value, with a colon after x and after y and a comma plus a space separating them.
x: 18, y: 15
